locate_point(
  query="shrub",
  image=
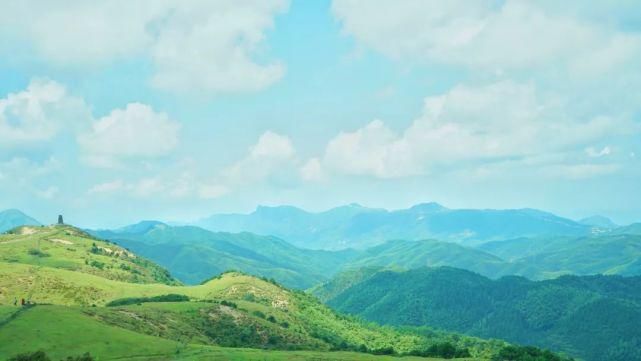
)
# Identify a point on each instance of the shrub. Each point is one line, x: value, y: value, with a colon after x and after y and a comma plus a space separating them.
x: 97, y: 264
x: 34, y: 356
x: 139, y: 300
x: 228, y: 304
x: 38, y: 253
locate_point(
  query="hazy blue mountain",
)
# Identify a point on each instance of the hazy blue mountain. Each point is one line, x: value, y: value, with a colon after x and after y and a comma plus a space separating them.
x: 595, y: 317
x: 354, y: 226
x: 12, y: 218
x: 194, y: 254
x: 634, y: 228
x: 599, y: 221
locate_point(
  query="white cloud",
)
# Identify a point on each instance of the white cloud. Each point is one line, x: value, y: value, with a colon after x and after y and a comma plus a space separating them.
x: 135, y: 131
x: 487, y: 34
x: 107, y: 187
x: 211, y: 191
x: 39, y: 113
x: 469, y: 124
x: 48, y: 193
x: 594, y: 153
x: 193, y: 46
x: 271, y: 156
x: 312, y: 171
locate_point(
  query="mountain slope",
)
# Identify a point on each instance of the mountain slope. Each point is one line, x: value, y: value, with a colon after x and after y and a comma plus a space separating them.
x: 593, y: 317
x: 541, y: 258
x: 194, y: 254
x: 430, y: 253
x: 12, y: 218
x: 231, y: 310
x: 359, y: 227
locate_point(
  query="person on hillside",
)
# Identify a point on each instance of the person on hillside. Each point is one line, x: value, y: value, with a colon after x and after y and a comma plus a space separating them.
x: 22, y: 301
x: 15, y: 301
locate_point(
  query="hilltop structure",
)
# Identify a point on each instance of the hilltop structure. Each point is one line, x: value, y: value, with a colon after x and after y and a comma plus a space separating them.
x: 60, y: 221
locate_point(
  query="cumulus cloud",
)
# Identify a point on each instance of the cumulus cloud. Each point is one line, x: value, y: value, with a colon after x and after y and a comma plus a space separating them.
x: 271, y: 158
x: 39, y: 113
x: 135, y: 131
x: 193, y: 46
x: 491, y: 122
x: 487, y: 34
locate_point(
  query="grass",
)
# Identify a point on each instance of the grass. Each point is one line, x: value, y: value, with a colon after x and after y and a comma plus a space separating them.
x: 64, y: 331
x: 65, y: 247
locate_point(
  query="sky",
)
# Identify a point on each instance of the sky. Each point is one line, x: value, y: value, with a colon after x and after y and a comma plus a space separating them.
x: 116, y: 111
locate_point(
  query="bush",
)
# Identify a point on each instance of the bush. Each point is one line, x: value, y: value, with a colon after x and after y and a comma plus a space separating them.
x: 228, y: 304
x: 443, y: 350
x: 35, y: 356
x: 42, y: 356
x: 139, y: 300
x: 259, y: 314
x: 85, y: 357
x: 38, y: 253
x: 527, y: 353
x: 97, y: 264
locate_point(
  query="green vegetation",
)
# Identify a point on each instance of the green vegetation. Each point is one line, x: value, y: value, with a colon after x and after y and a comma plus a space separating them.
x: 160, y: 321
x: 68, y: 248
x: 194, y: 254
x: 592, y: 317
x: 139, y: 300
x: 527, y: 353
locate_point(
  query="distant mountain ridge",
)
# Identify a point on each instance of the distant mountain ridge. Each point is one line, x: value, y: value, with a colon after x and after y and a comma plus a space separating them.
x: 12, y: 218
x: 355, y: 226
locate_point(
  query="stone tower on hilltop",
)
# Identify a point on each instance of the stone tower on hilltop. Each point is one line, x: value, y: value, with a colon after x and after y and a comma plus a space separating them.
x: 60, y: 221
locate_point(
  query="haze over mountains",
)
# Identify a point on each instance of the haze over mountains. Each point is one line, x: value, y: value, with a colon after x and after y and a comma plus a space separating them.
x: 355, y: 226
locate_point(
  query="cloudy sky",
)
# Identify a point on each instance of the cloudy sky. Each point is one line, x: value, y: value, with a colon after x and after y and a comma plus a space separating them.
x: 117, y: 111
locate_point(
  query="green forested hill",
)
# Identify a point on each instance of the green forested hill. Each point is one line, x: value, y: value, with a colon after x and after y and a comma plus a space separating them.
x: 194, y: 254
x: 74, y: 308
x: 549, y: 257
x: 592, y: 317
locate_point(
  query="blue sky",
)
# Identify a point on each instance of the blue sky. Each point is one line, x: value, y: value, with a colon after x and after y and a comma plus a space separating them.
x: 112, y: 112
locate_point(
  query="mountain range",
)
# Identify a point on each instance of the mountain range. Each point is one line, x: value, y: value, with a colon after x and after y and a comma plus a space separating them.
x: 193, y: 254
x: 355, y: 226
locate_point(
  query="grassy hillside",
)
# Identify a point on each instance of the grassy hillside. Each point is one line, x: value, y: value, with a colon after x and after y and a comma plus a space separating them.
x: 66, y: 331
x: 114, y: 316
x: 595, y: 317
x: 194, y: 254
x: 68, y: 248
